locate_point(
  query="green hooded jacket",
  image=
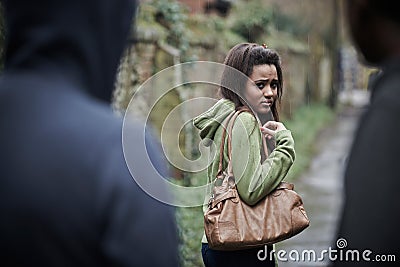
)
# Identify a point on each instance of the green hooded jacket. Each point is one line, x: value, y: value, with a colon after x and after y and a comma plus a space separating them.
x: 255, y: 179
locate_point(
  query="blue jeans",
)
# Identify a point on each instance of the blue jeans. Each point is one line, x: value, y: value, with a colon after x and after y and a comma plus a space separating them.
x: 237, y: 258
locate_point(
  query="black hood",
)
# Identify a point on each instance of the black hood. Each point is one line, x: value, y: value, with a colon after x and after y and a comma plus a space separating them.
x: 81, y: 40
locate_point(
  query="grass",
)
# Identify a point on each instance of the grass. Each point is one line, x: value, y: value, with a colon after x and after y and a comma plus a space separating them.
x: 305, y: 125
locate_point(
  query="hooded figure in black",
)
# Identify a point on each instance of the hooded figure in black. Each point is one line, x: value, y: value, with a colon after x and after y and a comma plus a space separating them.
x: 66, y: 195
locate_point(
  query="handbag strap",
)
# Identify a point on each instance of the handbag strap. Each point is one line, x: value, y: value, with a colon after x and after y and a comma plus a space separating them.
x: 221, y: 147
x: 229, y: 125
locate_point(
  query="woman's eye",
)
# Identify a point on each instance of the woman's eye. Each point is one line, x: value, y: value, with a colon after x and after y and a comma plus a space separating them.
x: 274, y: 85
x: 260, y: 85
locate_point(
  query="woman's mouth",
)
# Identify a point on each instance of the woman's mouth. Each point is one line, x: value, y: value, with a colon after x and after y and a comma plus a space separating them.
x: 266, y: 103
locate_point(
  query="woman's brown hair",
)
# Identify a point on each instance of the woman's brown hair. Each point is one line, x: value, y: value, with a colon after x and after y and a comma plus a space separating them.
x: 243, y: 57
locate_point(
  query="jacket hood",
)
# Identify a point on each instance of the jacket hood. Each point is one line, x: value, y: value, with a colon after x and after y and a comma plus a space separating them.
x: 209, y: 122
x: 82, y: 40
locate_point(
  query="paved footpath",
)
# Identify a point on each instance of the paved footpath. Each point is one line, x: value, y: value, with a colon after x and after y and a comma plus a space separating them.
x: 322, y: 185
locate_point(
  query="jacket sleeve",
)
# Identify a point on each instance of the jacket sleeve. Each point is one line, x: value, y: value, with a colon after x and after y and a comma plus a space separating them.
x: 255, y: 179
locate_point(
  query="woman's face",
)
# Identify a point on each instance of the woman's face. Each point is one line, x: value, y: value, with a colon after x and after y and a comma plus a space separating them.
x: 262, y: 89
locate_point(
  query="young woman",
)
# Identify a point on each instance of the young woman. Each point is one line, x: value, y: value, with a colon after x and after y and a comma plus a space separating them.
x: 256, y: 175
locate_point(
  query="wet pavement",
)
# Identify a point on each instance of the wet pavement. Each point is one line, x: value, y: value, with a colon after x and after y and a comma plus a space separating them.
x: 321, y: 187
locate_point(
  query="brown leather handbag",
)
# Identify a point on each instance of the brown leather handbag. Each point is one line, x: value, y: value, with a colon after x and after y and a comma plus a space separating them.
x: 231, y: 224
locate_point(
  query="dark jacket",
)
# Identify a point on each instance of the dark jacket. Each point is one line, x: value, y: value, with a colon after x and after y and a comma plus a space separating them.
x: 371, y: 213
x: 66, y: 195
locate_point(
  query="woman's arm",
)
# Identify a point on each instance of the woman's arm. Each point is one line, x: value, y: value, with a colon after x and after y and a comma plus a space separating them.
x: 254, y: 179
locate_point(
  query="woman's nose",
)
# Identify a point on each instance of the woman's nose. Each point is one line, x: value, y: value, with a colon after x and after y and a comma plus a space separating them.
x: 267, y: 91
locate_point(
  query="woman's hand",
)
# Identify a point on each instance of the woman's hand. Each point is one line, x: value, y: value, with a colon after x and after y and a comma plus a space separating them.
x: 271, y: 128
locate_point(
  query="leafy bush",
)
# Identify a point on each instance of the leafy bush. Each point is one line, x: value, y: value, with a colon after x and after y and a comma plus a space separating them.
x: 251, y: 19
x: 172, y: 15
